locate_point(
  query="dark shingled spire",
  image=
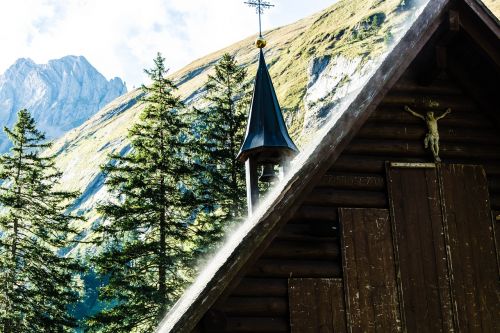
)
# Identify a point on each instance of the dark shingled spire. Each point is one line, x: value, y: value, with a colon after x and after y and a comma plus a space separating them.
x: 266, y: 131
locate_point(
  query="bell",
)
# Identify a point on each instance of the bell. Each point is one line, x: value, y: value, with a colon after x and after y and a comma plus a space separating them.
x: 268, y: 174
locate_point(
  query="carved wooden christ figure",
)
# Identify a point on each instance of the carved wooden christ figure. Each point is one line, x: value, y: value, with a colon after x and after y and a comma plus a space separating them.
x: 432, y: 137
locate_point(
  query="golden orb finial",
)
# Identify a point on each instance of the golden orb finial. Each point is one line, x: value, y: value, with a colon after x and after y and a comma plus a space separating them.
x: 260, y: 43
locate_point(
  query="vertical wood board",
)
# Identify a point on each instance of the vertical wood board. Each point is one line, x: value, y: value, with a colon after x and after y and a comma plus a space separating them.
x: 369, y: 271
x: 473, y: 258
x: 316, y: 305
x: 495, y: 215
x: 420, y: 252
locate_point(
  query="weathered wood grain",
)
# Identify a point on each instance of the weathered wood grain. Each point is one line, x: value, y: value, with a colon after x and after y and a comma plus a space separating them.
x: 494, y: 184
x: 309, y: 231
x: 439, y: 87
x: 237, y: 306
x: 420, y: 250
x: 415, y: 100
x: 312, y: 212
x: 495, y: 201
x: 472, y: 254
x: 416, y: 132
x: 295, y: 268
x: 369, y: 271
x: 495, y: 216
x: 322, y: 250
x: 197, y: 329
x: 455, y: 119
x: 376, y: 164
x: 213, y: 321
x: 317, y: 306
x: 358, y: 163
x: 261, y: 287
x: 417, y: 149
x: 346, y: 181
x: 257, y: 325
x: 338, y: 198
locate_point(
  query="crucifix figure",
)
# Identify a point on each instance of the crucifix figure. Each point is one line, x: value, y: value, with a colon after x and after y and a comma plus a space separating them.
x: 260, y: 6
x: 432, y: 137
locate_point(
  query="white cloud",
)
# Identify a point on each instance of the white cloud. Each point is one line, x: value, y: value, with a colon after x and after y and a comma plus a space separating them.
x: 121, y: 37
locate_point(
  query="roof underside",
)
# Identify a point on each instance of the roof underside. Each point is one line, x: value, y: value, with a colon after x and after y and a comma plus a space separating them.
x: 258, y: 231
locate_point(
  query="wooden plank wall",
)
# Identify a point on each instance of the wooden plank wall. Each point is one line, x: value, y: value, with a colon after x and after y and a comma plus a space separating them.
x: 317, y: 305
x: 308, y: 246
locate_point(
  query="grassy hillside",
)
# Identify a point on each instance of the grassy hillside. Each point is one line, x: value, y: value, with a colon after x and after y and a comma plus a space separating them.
x: 313, y: 62
x: 345, y: 28
x: 494, y: 6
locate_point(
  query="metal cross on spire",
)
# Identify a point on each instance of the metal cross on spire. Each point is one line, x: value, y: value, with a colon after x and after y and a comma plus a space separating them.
x: 260, y: 6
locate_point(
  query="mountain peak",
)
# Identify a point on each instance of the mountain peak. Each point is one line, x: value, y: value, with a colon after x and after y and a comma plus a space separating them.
x: 71, y: 60
x: 22, y: 65
x: 24, y: 62
x: 61, y: 94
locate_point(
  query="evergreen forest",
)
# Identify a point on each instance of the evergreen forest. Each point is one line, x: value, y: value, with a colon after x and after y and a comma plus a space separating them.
x: 173, y: 195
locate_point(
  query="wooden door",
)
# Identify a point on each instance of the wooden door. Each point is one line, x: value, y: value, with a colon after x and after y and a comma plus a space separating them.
x: 444, y: 248
x: 428, y: 264
x: 420, y: 249
x: 472, y: 255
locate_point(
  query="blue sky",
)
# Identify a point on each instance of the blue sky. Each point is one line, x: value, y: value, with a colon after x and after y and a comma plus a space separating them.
x: 121, y: 37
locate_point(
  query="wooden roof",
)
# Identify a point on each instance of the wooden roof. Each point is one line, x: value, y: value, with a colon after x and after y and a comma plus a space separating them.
x: 258, y: 231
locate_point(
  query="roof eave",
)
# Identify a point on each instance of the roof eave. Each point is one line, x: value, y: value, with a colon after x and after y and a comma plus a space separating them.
x: 485, y: 14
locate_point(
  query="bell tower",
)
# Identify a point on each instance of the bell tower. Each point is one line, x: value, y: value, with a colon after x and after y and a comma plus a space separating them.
x: 267, y: 144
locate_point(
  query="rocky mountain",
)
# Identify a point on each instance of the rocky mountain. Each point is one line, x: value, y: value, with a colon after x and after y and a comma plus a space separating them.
x: 61, y: 94
x: 316, y: 64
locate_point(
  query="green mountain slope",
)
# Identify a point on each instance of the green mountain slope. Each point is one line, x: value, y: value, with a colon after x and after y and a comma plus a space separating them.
x: 494, y: 6
x: 314, y: 63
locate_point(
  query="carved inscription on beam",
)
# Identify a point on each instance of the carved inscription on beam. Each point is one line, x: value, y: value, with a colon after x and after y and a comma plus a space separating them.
x: 366, y: 183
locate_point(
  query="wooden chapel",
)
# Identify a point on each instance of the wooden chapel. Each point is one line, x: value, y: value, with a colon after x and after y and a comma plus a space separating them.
x: 372, y: 233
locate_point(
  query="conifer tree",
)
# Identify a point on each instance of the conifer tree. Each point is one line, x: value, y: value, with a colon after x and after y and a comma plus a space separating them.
x: 36, y: 284
x: 146, y: 248
x: 220, y: 128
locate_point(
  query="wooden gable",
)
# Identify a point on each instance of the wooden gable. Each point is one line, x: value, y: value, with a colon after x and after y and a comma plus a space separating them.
x: 309, y: 249
x: 336, y: 262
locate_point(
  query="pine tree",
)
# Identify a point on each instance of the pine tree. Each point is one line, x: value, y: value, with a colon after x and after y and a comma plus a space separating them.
x: 146, y: 248
x: 37, y: 284
x: 220, y: 129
